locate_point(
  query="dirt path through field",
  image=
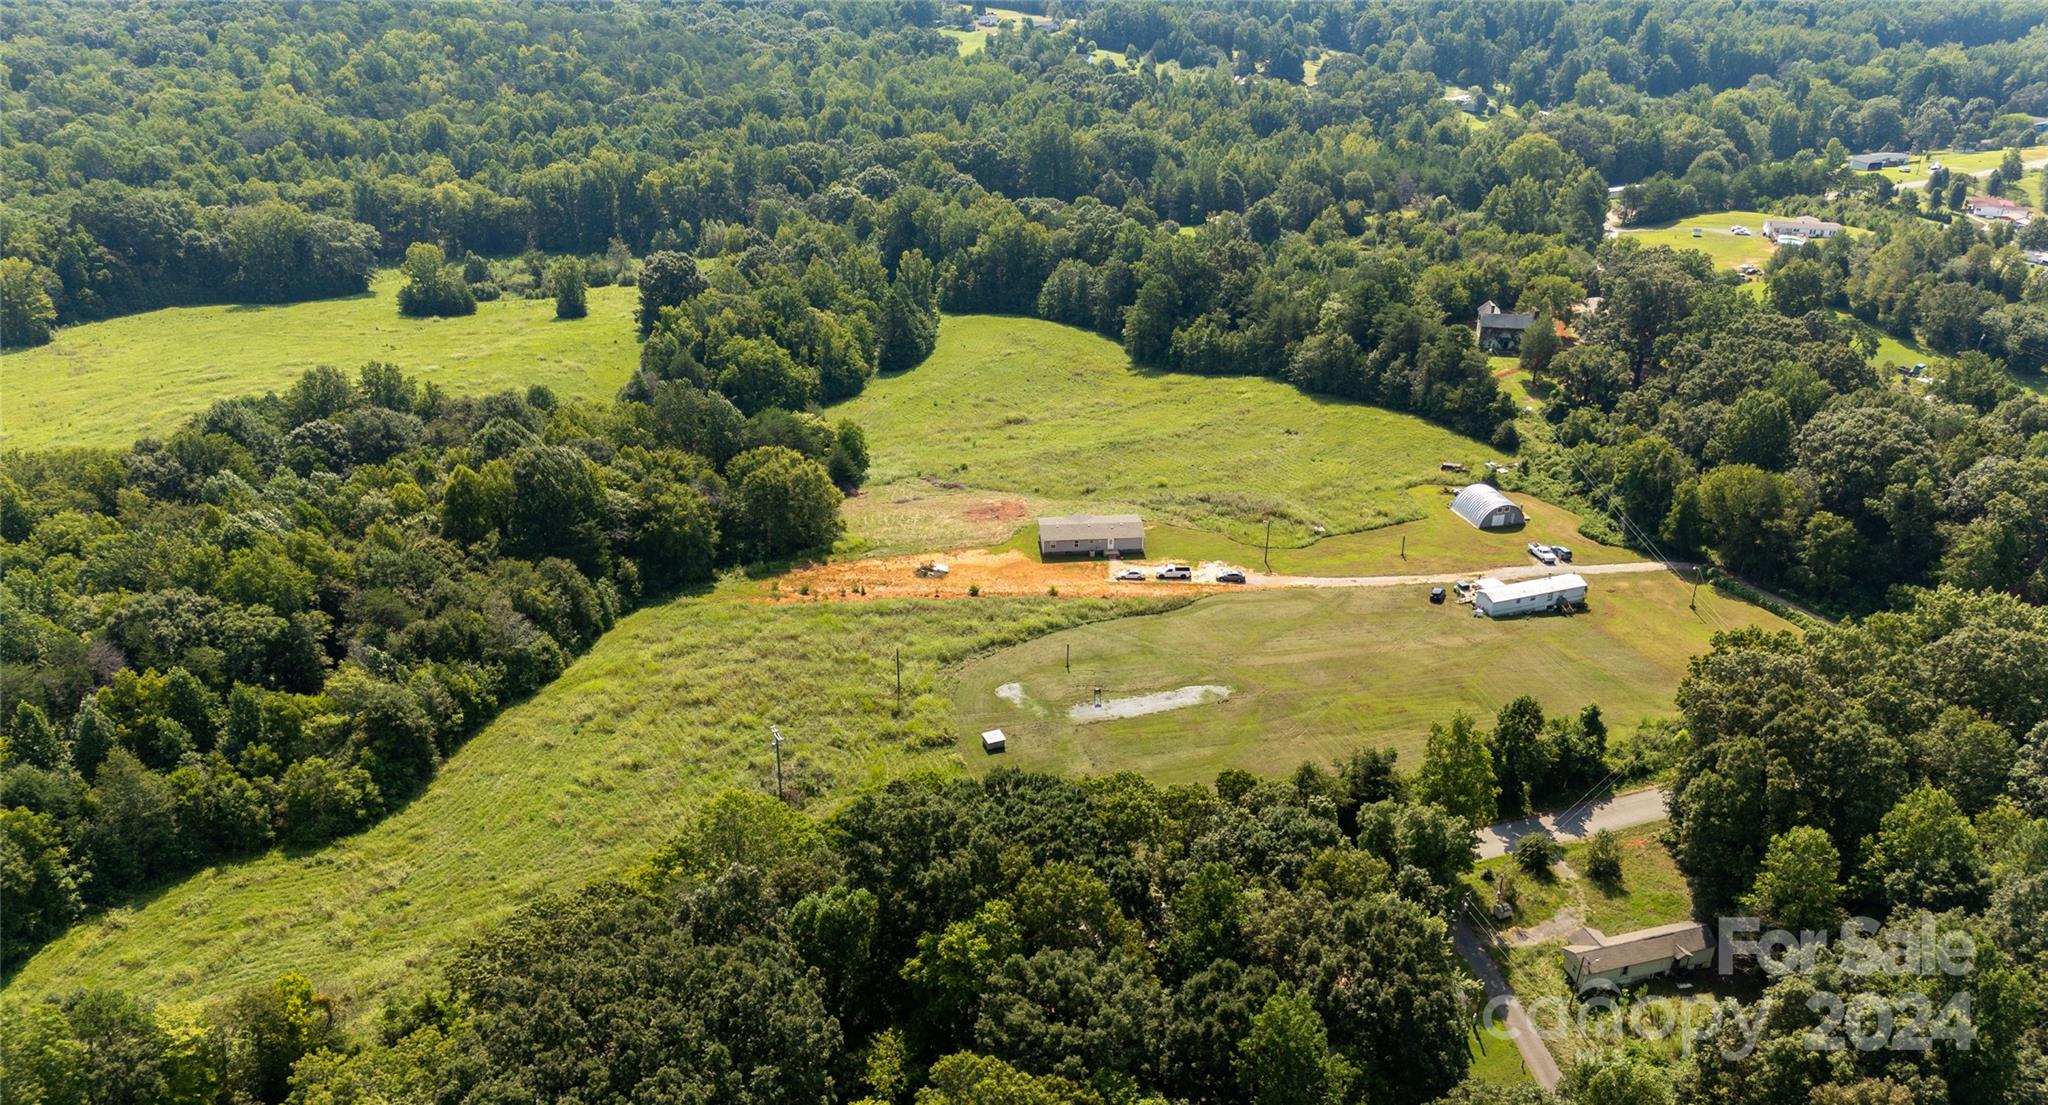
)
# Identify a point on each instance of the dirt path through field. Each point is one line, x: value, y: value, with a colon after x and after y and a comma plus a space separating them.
x: 1010, y: 572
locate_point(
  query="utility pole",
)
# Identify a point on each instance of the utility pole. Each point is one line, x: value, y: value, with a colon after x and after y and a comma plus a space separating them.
x: 1404, y: 546
x: 1267, y: 556
x: 1070, y: 657
x: 899, y: 681
x: 1697, y: 572
x: 777, y: 730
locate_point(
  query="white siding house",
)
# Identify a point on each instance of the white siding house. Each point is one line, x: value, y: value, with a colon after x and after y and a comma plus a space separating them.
x: 1530, y: 596
x: 1594, y: 958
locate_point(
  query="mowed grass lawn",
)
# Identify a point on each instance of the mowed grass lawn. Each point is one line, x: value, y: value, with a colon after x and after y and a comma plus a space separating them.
x: 1316, y: 673
x: 108, y: 383
x: 1057, y: 418
x: 579, y: 782
x: 1438, y: 541
x: 1973, y: 162
x: 1717, y: 239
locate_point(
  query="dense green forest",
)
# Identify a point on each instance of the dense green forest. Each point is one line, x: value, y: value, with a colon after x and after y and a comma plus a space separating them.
x: 269, y: 628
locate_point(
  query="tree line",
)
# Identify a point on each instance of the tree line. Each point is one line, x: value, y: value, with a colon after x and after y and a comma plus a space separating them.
x: 274, y: 625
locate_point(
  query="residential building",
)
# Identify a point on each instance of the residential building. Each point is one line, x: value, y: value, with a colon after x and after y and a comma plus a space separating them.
x: 1594, y: 959
x: 1092, y: 535
x: 1496, y: 599
x: 1500, y: 332
x: 1883, y: 159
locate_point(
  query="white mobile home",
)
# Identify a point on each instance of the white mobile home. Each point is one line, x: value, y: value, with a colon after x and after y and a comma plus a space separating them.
x: 1594, y: 958
x: 1092, y: 535
x: 1530, y: 596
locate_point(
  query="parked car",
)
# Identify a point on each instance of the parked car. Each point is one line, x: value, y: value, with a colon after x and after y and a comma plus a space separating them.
x: 1739, y: 230
x: 1562, y: 552
x: 1176, y: 571
x: 1436, y: 595
x: 1130, y: 575
x: 1542, y: 552
x: 1463, y: 587
x: 1695, y: 232
x: 1230, y: 576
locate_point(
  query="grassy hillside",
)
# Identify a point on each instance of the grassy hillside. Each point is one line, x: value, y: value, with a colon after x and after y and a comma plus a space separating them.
x: 107, y: 383
x: 580, y: 781
x: 1054, y: 418
x: 1315, y: 673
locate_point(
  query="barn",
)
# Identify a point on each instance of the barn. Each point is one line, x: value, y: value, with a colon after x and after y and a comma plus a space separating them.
x: 1486, y: 508
x: 1091, y: 535
x: 1530, y: 596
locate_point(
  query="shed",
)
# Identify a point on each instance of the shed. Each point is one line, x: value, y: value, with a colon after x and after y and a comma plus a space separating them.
x: 1593, y: 958
x: 1092, y: 535
x: 1882, y: 159
x: 993, y: 741
x: 1530, y: 596
x: 1486, y: 508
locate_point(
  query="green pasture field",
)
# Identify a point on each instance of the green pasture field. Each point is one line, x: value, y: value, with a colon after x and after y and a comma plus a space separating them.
x: 1716, y: 240
x: 1973, y: 162
x: 1317, y: 673
x: 1048, y: 415
x: 108, y: 383
x: 581, y: 781
x: 1436, y: 542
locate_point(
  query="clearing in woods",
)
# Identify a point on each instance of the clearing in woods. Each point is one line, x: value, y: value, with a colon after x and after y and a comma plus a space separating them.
x: 579, y: 782
x: 1055, y: 419
x: 108, y: 383
x: 1316, y: 673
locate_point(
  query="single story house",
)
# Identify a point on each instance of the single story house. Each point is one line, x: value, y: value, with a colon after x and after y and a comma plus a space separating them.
x: 1486, y: 508
x: 1530, y: 596
x: 1092, y: 535
x: 1803, y: 228
x: 1592, y: 958
x: 1883, y: 159
x: 1997, y: 207
x: 987, y: 19
x: 2036, y: 257
x: 1500, y: 332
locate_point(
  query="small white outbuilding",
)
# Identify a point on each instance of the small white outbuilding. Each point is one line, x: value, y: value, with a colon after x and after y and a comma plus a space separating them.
x: 1529, y: 596
x: 993, y: 741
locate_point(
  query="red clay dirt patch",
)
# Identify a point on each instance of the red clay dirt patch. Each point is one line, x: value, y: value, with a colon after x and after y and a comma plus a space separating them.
x: 972, y: 572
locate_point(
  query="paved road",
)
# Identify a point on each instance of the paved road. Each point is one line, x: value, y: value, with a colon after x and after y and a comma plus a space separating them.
x: 1506, y: 572
x: 1536, y: 1057
x: 1615, y: 811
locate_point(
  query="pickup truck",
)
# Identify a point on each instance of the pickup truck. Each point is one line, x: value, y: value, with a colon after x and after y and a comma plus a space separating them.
x: 1542, y: 552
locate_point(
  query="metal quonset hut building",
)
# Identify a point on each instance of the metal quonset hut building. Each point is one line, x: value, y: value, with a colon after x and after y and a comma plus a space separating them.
x: 1486, y: 508
x: 1530, y: 596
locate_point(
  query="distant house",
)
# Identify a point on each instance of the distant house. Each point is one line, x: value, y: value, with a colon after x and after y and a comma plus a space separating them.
x: 1486, y: 508
x: 1045, y: 24
x: 1462, y: 100
x: 987, y: 20
x: 2036, y: 257
x: 1883, y: 159
x: 1496, y: 599
x: 1500, y: 332
x: 1592, y: 958
x: 1997, y: 207
x: 1804, y: 228
x: 1092, y: 535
